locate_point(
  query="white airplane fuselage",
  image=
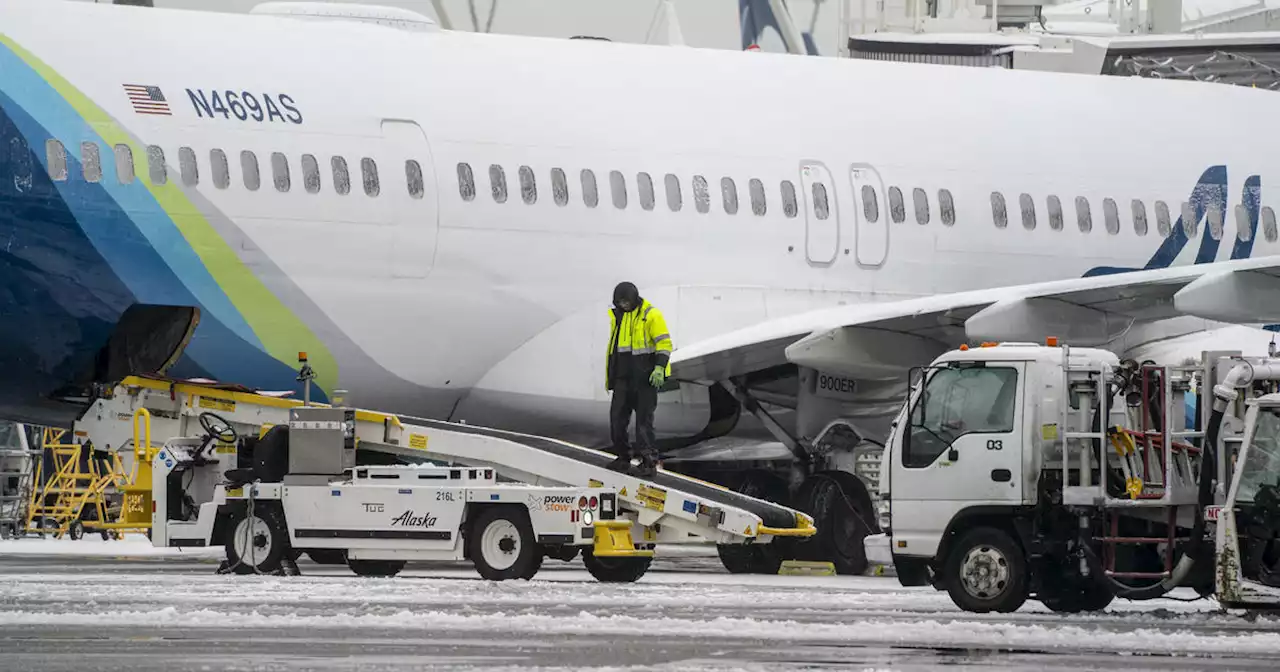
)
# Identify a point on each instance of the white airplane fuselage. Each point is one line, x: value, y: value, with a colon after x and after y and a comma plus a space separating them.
x: 488, y: 305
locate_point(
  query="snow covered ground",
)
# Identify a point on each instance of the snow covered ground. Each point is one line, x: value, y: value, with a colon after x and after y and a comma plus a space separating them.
x: 132, y: 607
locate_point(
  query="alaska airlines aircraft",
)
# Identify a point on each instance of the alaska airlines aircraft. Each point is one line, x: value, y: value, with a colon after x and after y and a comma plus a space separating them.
x: 438, y: 218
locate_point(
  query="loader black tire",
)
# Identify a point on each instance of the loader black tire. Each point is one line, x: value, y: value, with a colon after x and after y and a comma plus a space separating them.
x: 615, y: 570
x: 264, y: 538
x: 502, y: 545
x: 751, y: 558
x: 382, y: 568
x: 985, y: 571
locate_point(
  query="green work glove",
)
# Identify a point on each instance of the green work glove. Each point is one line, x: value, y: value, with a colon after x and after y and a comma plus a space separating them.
x: 658, y: 377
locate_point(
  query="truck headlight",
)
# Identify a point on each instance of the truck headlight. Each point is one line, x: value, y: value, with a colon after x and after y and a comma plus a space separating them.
x: 883, y: 514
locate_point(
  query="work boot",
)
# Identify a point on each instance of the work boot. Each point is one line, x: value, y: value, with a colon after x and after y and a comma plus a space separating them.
x: 648, y: 467
x: 620, y: 464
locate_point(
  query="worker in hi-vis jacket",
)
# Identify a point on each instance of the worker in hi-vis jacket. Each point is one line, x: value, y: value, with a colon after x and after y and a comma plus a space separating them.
x: 639, y: 361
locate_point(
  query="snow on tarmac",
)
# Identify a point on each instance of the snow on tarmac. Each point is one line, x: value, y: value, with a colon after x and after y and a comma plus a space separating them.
x: 682, y: 598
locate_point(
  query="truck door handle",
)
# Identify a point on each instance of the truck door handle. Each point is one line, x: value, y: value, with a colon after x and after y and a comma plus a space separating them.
x: 1001, y: 475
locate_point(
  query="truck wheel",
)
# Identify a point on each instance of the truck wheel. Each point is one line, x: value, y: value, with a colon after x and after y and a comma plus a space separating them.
x: 1085, y: 595
x: 615, y: 570
x: 841, y: 511
x: 986, y: 571
x: 328, y: 556
x: 76, y: 531
x: 258, y: 543
x: 502, y: 546
x: 376, y: 567
x: 751, y: 558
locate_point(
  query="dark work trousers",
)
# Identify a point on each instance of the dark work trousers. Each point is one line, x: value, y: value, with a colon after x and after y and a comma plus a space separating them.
x: 633, y: 393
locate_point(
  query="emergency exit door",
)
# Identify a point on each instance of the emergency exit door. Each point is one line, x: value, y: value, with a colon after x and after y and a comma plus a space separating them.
x: 406, y: 180
x: 822, y: 223
x: 871, y: 226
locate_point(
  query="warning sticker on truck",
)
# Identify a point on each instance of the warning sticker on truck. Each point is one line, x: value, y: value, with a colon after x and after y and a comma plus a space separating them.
x: 418, y: 441
x: 652, y: 498
x: 218, y: 404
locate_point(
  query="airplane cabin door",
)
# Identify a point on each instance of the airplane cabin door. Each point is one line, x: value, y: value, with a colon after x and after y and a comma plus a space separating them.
x: 871, y: 227
x: 822, y: 223
x: 408, y: 183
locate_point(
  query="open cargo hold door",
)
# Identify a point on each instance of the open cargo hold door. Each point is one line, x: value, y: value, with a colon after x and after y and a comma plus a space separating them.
x: 148, y: 339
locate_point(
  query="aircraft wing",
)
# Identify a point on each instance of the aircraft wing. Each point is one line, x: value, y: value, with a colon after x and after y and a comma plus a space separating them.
x: 883, y: 340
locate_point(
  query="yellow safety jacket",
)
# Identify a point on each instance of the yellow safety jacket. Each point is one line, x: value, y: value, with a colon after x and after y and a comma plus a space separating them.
x: 643, y: 332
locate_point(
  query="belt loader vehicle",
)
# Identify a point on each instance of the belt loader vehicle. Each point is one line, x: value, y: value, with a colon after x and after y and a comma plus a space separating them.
x: 1064, y: 474
x: 270, y: 477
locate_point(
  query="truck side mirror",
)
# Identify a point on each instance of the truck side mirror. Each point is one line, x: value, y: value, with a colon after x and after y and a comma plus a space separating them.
x: 953, y: 454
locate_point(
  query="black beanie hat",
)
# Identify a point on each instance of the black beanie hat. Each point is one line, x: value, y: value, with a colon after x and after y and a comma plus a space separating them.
x: 626, y: 290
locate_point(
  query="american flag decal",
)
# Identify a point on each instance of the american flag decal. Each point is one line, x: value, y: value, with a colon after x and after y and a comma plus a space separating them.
x: 147, y: 99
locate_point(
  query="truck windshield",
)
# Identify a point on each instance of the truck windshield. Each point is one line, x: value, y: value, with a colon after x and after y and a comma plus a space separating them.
x: 959, y: 401
x: 1262, y: 466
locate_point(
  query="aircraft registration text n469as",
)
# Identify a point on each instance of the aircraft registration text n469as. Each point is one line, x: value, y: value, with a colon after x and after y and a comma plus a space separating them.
x: 245, y: 106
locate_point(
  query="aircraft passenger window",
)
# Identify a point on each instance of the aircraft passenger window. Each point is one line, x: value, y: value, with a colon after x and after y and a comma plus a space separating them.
x: 999, y: 211
x: 789, y: 206
x: 1084, y: 217
x: 1111, y: 212
x: 559, y: 187
x: 413, y: 177
x: 1139, y: 217
x: 342, y: 177
x: 528, y: 186
x: 729, y: 190
x: 20, y: 155
x: 280, y: 172
x: 155, y: 165
x: 821, y: 208
x: 369, y: 171
x: 897, y: 209
x: 618, y: 185
x: 310, y: 174
x: 675, y: 200
x: 590, y: 192
x: 1269, y: 224
x: 124, y: 164
x: 921, y: 200
x: 701, y: 195
x: 1244, y: 230
x: 1055, y: 214
x: 498, y: 183
x: 1163, y: 226
x: 758, y: 205
x: 187, y: 166
x: 1028, y: 206
x: 946, y: 207
x: 466, y: 182
x: 91, y: 161
x: 870, y: 205
x: 221, y: 172
x: 1215, y: 221
x: 645, y: 184
x: 249, y: 166
x: 56, y: 157
x: 1190, y: 222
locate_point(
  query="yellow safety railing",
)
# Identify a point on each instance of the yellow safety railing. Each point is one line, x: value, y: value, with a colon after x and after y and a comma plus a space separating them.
x: 804, y: 528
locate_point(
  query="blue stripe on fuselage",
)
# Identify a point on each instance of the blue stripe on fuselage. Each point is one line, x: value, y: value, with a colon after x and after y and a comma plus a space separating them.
x: 136, y: 236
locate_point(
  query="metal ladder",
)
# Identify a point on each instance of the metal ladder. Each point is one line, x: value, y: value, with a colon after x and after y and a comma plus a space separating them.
x: 17, y: 465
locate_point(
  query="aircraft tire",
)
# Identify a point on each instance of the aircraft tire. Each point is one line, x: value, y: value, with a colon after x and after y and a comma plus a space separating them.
x: 839, y: 505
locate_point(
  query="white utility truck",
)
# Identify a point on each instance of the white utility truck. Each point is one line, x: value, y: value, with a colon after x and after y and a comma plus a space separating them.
x: 1020, y: 470
x: 270, y: 477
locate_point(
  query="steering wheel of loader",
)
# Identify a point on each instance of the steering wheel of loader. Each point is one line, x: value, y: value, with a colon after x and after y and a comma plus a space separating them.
x: 217, y: 427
